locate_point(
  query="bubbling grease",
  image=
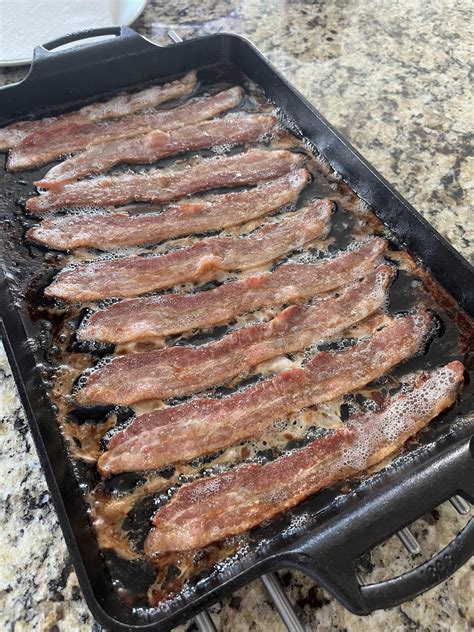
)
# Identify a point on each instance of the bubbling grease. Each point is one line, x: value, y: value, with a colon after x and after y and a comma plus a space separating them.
x: 376, y: 431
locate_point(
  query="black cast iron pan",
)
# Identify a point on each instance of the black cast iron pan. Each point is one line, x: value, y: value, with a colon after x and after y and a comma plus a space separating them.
x: 343, y: 526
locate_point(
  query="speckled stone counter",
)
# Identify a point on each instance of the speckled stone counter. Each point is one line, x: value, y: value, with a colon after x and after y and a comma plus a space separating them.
x: 394, y: 79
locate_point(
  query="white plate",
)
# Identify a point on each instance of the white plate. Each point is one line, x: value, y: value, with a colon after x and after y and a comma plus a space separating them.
x: 25, y: 24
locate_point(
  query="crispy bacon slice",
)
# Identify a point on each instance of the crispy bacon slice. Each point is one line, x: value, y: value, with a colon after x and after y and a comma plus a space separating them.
x: 165, y: 185
x: 202, y: 426
x: 213, y: 508
x: 182, y: 370
x: 144, y: 318
x: 120, y: 105
x: 131, y: 276
x: 148, y: 148
x: 41, y: 146
x: 117, y: 230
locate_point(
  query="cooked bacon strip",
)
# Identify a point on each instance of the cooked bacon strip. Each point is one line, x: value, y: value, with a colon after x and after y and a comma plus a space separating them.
x: 106, y: 232
x: 131, y: 276
x: 120, y: 105
x: 165, y: 185
x: 213, y: 508
x: 40, y: 147
x: 202, y: 426
x: 183, y: 370
x: 143, y: 318
x: 148, y: 148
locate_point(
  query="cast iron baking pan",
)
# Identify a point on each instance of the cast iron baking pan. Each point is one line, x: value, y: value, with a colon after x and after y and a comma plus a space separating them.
x: 342, y: 526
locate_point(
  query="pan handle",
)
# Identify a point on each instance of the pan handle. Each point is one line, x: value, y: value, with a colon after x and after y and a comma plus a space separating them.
x: 121, y: 32
x: 80, y: 35
x: 329, y: 554
x: 125, y: 37
x: 420, y: 579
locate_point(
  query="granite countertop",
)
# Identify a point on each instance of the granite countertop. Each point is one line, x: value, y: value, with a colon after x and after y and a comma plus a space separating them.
x: 394, y: 80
